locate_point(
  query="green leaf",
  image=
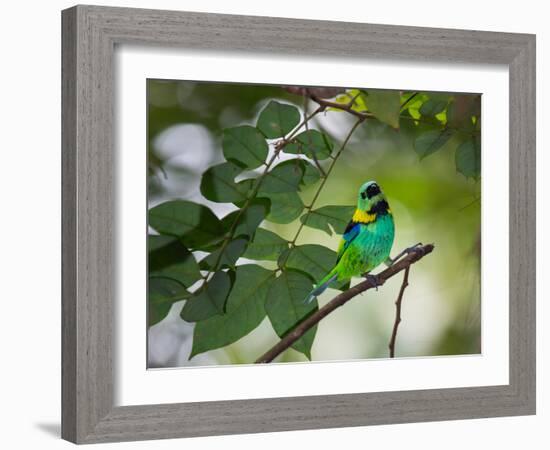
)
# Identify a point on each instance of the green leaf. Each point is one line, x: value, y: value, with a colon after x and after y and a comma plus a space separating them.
x: 407, y: 124
x: 431, y: 141
x: 231, y: 253
x: 218, y: 184
x: 468, y: 158
x: 266, y: 246
x: 334, y: 215
x: 311, y: 174
x: 311, y: 143
x: 168, y: 258
x: 315, y: 260
x: 194, y: 224
x: 162, y: 294
x: 278, y: 119
x: 209, y: 301
x: 244, y: 310
x: 385, y: 105
x: 413, y: 106
x: 358, y: 98
x: 285, y: 207
x: 284, y: 177
x: 245, y: 146
x: 286, y: 308
x: 432, y: 107
x: 249, y: 220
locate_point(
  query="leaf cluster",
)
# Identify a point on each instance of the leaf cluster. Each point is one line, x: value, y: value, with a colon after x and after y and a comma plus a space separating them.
x: 437, y: 121
x: 224, y: 299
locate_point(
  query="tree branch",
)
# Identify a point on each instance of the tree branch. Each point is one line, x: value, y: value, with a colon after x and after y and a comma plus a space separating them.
x: 368, y: 115
x: 278, y: 148
x: 342, y: 106
x: 415, y: 255
x: 286, y: 140
x: 398, y: 311
x: 322, y: 184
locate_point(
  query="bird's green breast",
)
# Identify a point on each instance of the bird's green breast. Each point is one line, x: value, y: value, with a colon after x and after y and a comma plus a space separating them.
x: 369, y: 249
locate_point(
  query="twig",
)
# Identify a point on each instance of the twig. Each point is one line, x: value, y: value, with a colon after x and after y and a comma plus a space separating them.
x: 313, y: 155
x: 320, y: 188
x: 405, y: 103
x: 344, y: 107
x: 278, y: 148
x: 299, y: 330
x: 473, y: 202
x: 286, y: 140
x: 245, y: 206
x: 398, y: 311
x: 367, y: 115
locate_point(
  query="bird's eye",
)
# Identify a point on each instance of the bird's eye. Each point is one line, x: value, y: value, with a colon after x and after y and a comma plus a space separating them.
x: 364, y: 195
x: 373, y: 190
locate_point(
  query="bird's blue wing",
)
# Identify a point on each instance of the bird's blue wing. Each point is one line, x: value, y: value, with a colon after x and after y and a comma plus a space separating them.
x: 350, y: 233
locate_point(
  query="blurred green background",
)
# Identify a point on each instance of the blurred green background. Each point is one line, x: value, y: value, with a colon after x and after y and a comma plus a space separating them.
x: 431, y: 202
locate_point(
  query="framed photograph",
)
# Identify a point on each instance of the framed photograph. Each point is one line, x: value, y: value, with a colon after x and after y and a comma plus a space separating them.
x: 266, y: 230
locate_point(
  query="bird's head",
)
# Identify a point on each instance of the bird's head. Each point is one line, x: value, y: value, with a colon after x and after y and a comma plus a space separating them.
x: 371, y: 197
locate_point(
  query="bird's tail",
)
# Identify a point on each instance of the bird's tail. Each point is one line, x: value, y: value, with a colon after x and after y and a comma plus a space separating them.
x: 321, y: 287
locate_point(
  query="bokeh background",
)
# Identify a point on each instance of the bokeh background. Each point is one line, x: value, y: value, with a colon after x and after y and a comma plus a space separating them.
x: 431, y: 202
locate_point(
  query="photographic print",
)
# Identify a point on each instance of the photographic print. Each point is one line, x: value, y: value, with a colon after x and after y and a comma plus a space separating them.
x: 295, y: 224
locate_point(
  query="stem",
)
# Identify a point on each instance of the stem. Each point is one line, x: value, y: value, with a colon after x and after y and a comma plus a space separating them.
x: 398, y: 312
x: 408, y: 100
x: 473, y: 202
x: 245, y: 206
x: 367, y: 115
x: 323, y: 181
x: 279, y: 145
x: 278, y: 148
x: 344, y: 107
x: 314, y: 156
x: 301, y: 328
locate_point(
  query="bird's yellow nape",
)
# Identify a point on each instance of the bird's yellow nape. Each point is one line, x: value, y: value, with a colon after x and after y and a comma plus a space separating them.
x: 363, y: 217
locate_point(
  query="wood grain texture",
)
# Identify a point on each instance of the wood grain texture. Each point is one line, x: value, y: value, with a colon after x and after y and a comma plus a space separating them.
x: 522, y: 282
x: 89, y: 36
x: 68, y: 226
x: 88, y: 212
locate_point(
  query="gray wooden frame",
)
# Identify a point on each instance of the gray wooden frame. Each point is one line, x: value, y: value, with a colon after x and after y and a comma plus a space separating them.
x: 90, y: 34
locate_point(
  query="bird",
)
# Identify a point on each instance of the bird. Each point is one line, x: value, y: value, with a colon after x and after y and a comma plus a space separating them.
x: 366, y: 242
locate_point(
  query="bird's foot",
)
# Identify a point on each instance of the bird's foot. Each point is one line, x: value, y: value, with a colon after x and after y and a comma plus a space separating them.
x: 390, y: 262
x: 373, y: 279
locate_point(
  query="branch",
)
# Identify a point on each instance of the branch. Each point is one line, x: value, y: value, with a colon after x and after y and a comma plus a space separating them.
x: 286, y: 140
x: 368, y: 115
x: 406, y: 102
x: 230, y: 234
x: 415, y: 255
x: 348, y: 107
x: 309, y: 208
x: 314, y: 156
x: 278, y: 148
x: 398, y: 311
